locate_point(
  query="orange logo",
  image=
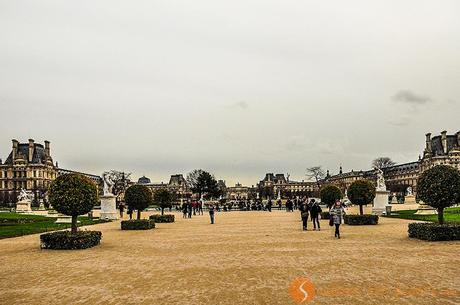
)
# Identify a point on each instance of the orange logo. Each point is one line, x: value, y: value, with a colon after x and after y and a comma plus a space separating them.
x: 302, y: 290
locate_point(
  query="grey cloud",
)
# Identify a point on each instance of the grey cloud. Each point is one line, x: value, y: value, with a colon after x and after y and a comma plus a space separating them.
x: 409, y: 97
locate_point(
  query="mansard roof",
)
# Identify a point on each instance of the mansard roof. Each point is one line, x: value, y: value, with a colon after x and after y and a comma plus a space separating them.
x: 39, y: 155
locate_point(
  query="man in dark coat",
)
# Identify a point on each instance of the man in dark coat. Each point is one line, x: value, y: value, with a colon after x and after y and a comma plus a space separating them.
x: 315, y: 211
x: 304, y: 215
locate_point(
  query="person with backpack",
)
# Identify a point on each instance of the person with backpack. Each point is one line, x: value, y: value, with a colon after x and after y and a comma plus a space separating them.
x: 315, y: 211
x: 304, y: 215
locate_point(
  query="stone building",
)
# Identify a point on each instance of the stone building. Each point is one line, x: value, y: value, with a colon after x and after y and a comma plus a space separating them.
x: 30, y: 166
x: 238, y: 192
x: 274, y: 185
x: 177, y: 185
x: 442, y: 149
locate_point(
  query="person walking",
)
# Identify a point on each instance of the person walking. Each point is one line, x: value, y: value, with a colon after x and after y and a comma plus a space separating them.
x: 122, y: 208
x: 211, y: 213
x: 304, y: 215
x: 189, y: 208
x: 315, y: 211
x: 130, y: 212
x: 337, y: 212
x: 184, y: 210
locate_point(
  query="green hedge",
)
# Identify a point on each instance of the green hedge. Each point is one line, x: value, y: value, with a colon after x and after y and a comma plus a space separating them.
x: 137, y: 224
x: 325, y: 215
x: 162, y: 218
x: 65, y: 240
x: 361, y: 220
x: 434, y: 231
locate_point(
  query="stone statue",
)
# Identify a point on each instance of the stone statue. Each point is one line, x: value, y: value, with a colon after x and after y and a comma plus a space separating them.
x: 25, y: 196
x: 381, y: 186
x: 108, y: 183
x: 409, y: 191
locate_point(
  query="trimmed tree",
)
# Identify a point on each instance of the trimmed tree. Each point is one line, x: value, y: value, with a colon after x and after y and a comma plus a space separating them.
x: 330, y: 194
x: 73, y: 195
x: 439, y: 187
x: 163, y: 198
x: 361, y: 192
x: 138, y: 197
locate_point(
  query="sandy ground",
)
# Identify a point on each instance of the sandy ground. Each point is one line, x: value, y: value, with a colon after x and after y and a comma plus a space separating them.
x: 245, y: 258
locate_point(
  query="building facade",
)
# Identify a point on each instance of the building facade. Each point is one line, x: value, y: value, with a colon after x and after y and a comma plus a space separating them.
x: 443, y: 149
x: 274, y: 186
x: 30, y: 166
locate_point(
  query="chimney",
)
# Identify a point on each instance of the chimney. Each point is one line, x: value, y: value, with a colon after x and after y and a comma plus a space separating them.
x: 31, y: 150
x: 47, y: 148
x: 444, y: 141
x: 428, y: 143
x: 15, y: 148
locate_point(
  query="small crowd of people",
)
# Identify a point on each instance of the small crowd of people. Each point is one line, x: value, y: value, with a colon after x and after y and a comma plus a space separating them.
x: 313, y: 210
x: 307, y: 210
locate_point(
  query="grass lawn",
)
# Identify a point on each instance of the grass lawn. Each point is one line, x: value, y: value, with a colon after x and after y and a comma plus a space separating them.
x: 450, y: 215
x: 13, y: 224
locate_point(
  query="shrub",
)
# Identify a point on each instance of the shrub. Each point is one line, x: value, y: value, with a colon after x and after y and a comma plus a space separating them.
x: 361, y: 192
x: 138, y: 197
x: 434, y: 231
x: 439, y: 187
x: 162, y: 218
x: 325, y: 215
x: 361, y: 220
x: 66, y: 240
x: 163, y: 198
x: 330, y: 194
x: 73, y: 195
x: 137, y: 224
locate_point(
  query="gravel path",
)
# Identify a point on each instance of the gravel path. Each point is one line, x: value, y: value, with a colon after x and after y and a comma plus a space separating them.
x: 245, y: 258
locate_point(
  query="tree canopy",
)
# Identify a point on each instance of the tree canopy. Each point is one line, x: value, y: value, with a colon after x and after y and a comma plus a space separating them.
x: 382, y: 162
x: 330, y: 194
x: 439, y: 187
x: 138, y: 197
x: 163, y: 197
x: 203, y: 183
x: 73, y: 195
x: 361, y: 192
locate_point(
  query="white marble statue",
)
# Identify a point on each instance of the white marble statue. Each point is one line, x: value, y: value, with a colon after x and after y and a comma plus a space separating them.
x: 108, y: 183
x: 409, y: 191
x: 25, y: 195
x: 381, y: 186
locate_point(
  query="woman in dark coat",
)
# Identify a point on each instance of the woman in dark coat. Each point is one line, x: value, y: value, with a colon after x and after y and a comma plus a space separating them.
x: 337, y: 212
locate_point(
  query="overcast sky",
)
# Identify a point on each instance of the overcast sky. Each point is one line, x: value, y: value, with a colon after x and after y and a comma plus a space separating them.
x: 239, y: 88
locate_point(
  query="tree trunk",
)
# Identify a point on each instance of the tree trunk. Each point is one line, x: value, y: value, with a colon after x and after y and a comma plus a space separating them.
x: 138, y: 214
x: 361, y: 212
x: 162, y: 211
x: 441, y: 216
x: 74, y: 224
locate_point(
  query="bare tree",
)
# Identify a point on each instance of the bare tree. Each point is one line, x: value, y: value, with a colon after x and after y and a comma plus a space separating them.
x: 120, y: 181
x: 382, y: 162
x: 317, y: 173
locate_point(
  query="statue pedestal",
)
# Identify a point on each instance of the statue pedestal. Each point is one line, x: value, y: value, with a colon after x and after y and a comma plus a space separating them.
x: 108, y: 208
x: 426, y: 210
x: 410, y: 199
x: 23, y: 206
x: 380, y: 202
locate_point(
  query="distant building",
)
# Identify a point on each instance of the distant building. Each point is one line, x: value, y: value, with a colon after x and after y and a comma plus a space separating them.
x: 443, y: 149
x: 177, y: 185
x: 30, y: 166
x: 238, y: 192
x: 143, y: 180
x: 274, y: 185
